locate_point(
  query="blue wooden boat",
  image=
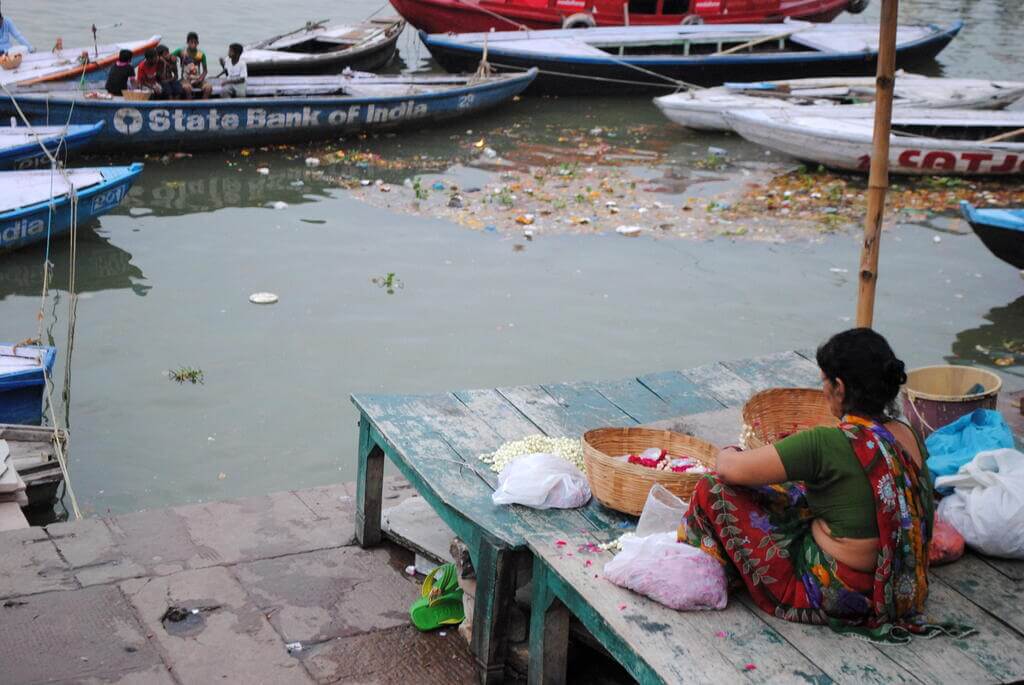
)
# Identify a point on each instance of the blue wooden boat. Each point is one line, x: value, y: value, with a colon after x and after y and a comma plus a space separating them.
x: 34, y: 203
x: 631, y: 59
x: 1002, y: 231
x: 23, y: 372
x: 21, y: 146
x: 275, y: 109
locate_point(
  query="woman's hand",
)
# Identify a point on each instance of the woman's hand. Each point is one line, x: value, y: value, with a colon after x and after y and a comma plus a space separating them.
x: 760, y: 466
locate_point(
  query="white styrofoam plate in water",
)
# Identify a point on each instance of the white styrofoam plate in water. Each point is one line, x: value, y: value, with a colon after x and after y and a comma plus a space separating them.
x: 263, y: 298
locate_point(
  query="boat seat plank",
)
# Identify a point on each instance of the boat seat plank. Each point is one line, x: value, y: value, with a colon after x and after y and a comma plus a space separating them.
x: 658, y: 644
x: 24, y: 188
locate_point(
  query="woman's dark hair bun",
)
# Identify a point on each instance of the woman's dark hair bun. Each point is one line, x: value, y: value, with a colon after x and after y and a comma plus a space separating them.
x: 870, y: 371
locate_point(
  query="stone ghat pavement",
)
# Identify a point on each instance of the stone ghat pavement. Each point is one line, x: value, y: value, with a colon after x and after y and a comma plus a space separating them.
x: 86, y: 602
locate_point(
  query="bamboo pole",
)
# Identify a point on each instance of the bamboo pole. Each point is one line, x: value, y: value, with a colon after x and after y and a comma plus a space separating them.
x: 878, y: 180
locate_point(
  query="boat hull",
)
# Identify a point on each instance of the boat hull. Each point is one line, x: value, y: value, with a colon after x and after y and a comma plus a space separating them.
x: 908, y: 155
x: 31, y: 155
x: 28, y: 225
x: 593, y: 76
x: 468, y: 16
x: 369, y: 58
x: 21, y: 392
x: 1002, y: 239
x: 69, y: 68
x: 220, y: 124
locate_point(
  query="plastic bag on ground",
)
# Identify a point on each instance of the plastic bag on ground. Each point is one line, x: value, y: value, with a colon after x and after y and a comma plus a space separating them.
x: 947, y: 543
x: 663, y: 512
x: 987, y: 504
x: 542, y: 481
x: 956, y: 443
x: 672, y: 573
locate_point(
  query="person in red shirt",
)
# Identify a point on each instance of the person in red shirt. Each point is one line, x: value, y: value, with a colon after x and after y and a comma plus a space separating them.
x: 147, y: 75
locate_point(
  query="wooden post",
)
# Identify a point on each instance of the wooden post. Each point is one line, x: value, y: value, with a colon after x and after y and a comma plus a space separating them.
x: 878, y: 181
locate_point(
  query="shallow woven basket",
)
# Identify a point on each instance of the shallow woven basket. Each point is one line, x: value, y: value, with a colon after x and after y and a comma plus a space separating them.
x: 772, y: 414
x: 136, y: 94
x: 623, y: 486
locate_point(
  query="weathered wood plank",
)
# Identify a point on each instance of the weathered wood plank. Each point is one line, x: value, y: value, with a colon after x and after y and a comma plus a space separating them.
x: 498, y: 413
x: 1010, y: 568
x: 635, y: 399
x: 680, y: 392
x: 785, y: 369
x: 657, y: 644
x: 585, y: 406
x: 369, y: 487
x: 993, y: 655
x: 549, y: 632
x: 984, y: 585
x: 721, y: 383
x: 843, y: 659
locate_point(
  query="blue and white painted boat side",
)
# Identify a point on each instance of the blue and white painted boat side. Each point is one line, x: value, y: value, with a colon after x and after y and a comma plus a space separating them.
x: 26, y: 225
x: 1012, y: 219
x: 31, y: 156
x: 21, y: 391
x: 217, y: 123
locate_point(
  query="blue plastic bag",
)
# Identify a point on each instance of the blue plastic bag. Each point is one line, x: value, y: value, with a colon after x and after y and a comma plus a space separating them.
x: 955, y: 444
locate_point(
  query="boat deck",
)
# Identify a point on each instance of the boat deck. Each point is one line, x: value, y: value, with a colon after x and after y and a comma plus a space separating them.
x: 435, y: 441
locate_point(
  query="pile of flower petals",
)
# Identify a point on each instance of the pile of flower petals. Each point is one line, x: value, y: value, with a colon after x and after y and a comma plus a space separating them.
x: 661, y: 460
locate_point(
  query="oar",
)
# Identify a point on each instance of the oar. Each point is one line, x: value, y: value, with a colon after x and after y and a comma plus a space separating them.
x: 756, y: 41
x: 95, y: 42
x: 1004, y: 136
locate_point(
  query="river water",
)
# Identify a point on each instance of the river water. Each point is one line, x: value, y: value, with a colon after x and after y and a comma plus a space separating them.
x: 165, y: 281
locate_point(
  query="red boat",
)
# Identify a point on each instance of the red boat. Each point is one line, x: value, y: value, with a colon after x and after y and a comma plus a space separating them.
x: 470, y: 16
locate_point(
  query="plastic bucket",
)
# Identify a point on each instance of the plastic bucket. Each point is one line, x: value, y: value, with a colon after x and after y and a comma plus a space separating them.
x: 936, y: 395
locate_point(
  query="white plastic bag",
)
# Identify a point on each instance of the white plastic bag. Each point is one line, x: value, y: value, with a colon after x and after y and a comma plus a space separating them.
x: 542, y: 481
x: 672, y: 573
x: 987, y: 504
x: 663, y: 512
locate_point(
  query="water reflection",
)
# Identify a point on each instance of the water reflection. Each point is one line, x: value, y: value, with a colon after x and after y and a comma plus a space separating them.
x: 199, y: 185
x: 101, y: 266
x: 1002, y: 337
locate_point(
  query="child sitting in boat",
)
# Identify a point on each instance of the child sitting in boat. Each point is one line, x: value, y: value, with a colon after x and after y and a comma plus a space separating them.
x: 193, y: 68
x: 167, y: 74
x: 147, y: 75
x: 120, y: 73
x: 235, y: 72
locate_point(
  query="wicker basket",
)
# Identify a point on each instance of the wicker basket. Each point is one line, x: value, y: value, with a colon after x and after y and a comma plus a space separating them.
x: 136, y: 94
x: 623, y: 486
x: 772, y: 414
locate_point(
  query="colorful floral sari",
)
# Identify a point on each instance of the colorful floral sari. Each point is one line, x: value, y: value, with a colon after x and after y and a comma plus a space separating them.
x: 763, y: 536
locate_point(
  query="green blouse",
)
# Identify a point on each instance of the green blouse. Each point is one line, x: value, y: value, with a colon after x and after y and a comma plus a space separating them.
x: 838, y: 490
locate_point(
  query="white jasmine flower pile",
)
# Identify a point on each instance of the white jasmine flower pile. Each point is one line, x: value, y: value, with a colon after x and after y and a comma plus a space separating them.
x: 615, y: 546
x: 570, y: 449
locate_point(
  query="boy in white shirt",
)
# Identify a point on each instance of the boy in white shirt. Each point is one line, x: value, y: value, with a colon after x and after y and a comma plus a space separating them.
x: 235, y: 71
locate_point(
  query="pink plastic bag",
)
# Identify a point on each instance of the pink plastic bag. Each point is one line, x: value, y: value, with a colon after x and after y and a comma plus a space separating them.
x: 947, y: 543
x: 672, y: 573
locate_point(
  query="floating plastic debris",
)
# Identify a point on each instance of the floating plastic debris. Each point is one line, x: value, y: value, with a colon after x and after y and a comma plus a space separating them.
x: 294, y: 647
x: 937, y: 239
x: 263, y: 171
x: 280, y: 205
x: 312, y: 161
x: 263, y: 298
x: 629, y: 231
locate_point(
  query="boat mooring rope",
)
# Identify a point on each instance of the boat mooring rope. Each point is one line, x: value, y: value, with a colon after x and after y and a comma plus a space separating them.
x: 675, y: 86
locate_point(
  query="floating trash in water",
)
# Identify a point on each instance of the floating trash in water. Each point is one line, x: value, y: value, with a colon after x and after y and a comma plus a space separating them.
x: 365, y: 182
x: 263, y: 171
x: 263, y: 298
x: 629, y: 231
x: 489, y: 153
x: 525, y: 219
x: 937, y: 239
x: 388, y: 281
x: 186, y: 374
x: 717, y: 151
x: 221, y: 475
x: 280, y: 205
x: 312, y: 161
x: 837, y: 270
x: 438, y: 185
x: 293, y: 647
x: 296, y: 184
x: 528, y: 234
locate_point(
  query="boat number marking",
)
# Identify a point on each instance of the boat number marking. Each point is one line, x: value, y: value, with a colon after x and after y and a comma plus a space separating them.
x: 108, y: 199
x: 466, y: 101
x: 128, y: 120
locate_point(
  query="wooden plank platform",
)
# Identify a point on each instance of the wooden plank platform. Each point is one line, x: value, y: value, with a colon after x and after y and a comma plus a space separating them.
x: 435, y: 441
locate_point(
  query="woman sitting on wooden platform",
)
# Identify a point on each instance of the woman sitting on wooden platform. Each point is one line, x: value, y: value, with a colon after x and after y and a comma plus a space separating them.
x: 831, y: 525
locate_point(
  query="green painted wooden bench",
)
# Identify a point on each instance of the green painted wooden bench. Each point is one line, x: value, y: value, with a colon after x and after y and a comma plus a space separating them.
x: 435, y: 441
x: 659, y: 645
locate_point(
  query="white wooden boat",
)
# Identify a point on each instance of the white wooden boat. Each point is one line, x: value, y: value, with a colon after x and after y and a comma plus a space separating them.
x: 56, y: 65
x: 318, y: 48
x: 948, y: 142
x: 852, y: 95
x: 32, y: 455
x: 627, y: 59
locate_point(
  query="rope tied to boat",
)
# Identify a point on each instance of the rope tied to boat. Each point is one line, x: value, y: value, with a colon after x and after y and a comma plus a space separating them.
x: 521, y: 27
